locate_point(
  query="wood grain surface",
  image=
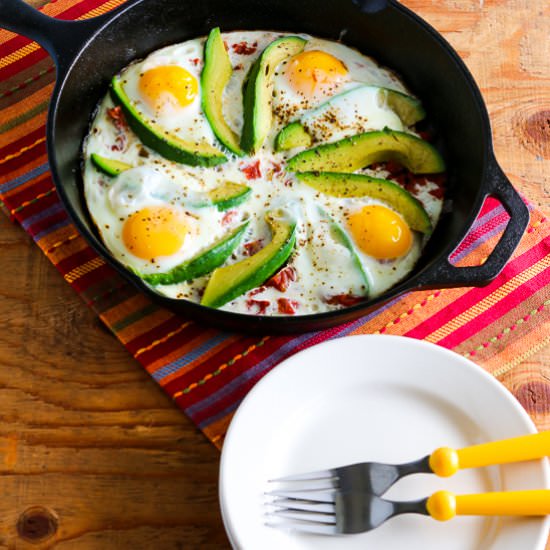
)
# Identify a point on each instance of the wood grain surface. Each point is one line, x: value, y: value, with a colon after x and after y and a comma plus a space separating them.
x: 92, y: 454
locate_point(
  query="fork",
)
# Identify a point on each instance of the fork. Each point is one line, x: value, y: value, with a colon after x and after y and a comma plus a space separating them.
x: 375, y: 478
x: 352, y: 512
x: 347, y: 499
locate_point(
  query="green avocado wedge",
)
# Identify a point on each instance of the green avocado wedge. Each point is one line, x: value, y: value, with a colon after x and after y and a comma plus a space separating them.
x: 110, y: 167
x: 340, y: 236
x: 258, y: 91
x: 292, y: 135
x: 229, y: 195
x: 225, y: 196
x: 358, y: 185
x: 168, y: 145
x: 202, y: 264
x: 353, y: 153
x: 214, y: 78
x: 230, y: 282
x: 407, y: 108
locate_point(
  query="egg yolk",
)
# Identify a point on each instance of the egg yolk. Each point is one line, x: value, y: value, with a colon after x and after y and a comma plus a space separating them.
x: 168, y: 83
x: 380, y: 232
x: 154, y: 231
x: 314, y: 71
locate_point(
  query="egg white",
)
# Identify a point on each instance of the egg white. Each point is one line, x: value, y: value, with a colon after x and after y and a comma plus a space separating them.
x: 324, y: 267
x: 187, y: 122
x: 144, y: 187
x: 349, y: 114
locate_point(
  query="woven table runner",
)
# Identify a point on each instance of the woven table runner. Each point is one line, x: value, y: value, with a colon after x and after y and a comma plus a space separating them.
x: 207, y: 372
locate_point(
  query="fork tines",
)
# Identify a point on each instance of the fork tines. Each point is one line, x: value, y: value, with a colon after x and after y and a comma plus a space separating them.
x: 307, y: 505
x: 307, y: 511
x: 307, y: 476
x: 311, y: 481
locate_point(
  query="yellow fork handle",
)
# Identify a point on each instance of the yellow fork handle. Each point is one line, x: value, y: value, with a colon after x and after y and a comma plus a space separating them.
x: 444, y: 505
x: 445, y: 461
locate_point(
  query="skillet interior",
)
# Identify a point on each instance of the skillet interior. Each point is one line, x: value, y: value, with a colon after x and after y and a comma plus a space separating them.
x: 393, y: 36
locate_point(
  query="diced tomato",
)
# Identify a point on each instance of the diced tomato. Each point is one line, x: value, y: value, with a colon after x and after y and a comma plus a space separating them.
x: 344, y: 300
x: 408, y: 180
x: 252, y: 171
x: 412, y: 182
x: 276, y: 167
x: 439, y: 180
x: 228, y: 217
x: 260, y: 305
x: 115, y: 112
x: 392, y: 167
x: 284, y: 305
x: 244, y: 48
x: 117, y: 116
x: 281, y: 280
x: 438, y: 192
x: 195, y: 61
x: 252, y: 247
x: 120, y: 143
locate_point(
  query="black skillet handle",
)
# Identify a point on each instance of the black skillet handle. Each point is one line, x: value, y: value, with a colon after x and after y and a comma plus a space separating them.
x: 444, y: 274
x: 61, y: 39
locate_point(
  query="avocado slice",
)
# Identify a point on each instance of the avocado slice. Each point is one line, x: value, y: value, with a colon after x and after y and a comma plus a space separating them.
x: 340, y: 236
x: 168, y: 145
x: 226, y: 196
x: 258, y: 89
x: 408, y: 108
x: 229, y: 282
x: 111, y: 167
x: 293, y: 135
x: 203, y: 263
x: 229, y: 195
x: 358, y: 185
x: 353, y: 153
x: 214, y: 78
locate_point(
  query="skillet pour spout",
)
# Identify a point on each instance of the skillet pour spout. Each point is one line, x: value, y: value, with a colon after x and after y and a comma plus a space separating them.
x: 88, y: 53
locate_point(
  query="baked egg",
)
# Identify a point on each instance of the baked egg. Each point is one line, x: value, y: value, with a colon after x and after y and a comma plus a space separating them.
x: 262, y: 173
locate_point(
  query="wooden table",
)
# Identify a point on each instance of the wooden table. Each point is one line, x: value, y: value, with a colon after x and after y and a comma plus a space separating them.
x: 92, y: 454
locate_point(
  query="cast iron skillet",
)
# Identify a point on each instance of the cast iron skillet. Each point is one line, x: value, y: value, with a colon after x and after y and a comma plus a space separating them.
x: 88, y: 53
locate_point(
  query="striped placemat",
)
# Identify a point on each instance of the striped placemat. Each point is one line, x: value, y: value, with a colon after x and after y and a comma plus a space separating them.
x: 207, y: 372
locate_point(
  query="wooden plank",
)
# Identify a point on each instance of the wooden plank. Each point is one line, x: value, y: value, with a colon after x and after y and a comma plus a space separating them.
x: 84, y: 431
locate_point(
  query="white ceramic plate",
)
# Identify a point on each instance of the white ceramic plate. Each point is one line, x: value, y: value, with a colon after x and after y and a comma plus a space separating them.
x: 376, y: 398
